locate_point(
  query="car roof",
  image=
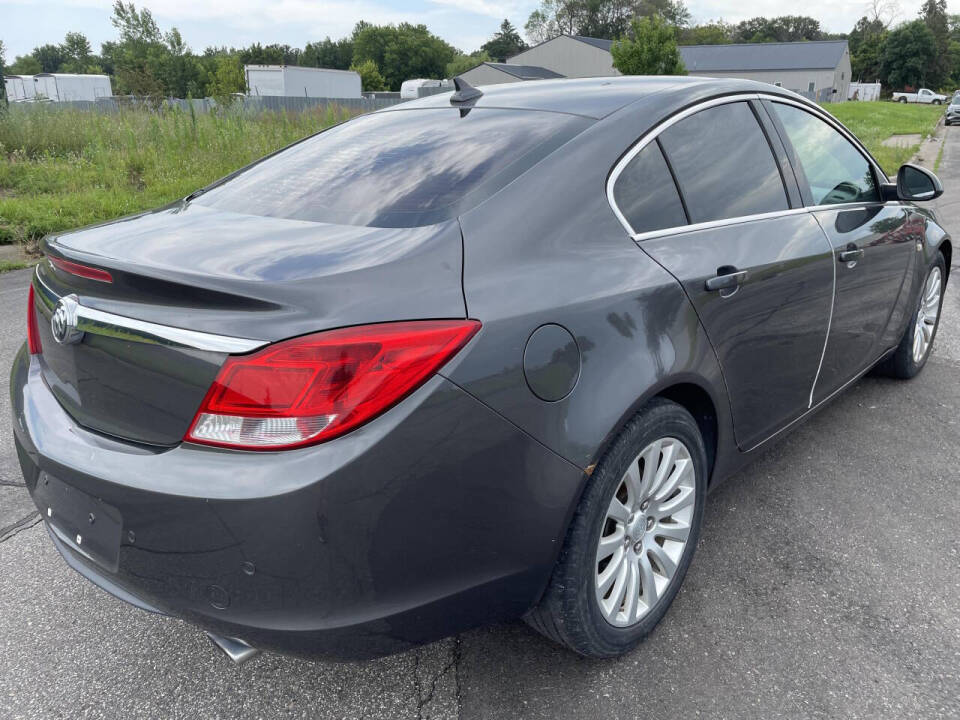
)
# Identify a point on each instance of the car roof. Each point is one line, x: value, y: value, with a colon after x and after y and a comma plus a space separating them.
x: 594, y: 97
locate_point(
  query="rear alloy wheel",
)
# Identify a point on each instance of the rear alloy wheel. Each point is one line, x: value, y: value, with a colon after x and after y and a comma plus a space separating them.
x: 632, y: 537
x: 917, y: 341
x: 645, y: 531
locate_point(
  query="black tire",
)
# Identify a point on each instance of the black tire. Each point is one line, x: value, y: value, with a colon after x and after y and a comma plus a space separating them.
x: 569, y: 612
x: 936, y: 102
x: 903, y: 100
x: 901, y: 364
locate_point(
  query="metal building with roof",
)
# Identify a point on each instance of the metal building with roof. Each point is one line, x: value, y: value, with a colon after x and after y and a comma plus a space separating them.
x: 820, y: 70
x: 494, y: 73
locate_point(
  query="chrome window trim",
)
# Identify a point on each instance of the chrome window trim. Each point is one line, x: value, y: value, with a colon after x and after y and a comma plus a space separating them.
x: 652, y: 134
x: 98, y: 322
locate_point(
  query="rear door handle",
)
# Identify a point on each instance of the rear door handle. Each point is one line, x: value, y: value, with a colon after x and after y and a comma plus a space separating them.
x: 728, y: 278
x: 851, y: 254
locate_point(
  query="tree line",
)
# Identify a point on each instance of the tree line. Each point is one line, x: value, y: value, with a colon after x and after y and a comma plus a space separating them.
x: 924, y: 51
x: 143, y: 60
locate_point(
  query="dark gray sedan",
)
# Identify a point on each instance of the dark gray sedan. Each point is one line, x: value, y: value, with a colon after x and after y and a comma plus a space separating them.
x: 477, y: 357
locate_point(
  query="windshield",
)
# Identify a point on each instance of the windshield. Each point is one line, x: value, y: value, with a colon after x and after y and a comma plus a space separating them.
x: 401, y: 168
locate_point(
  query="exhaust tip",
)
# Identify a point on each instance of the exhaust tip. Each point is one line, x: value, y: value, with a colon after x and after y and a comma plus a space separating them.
x: 236, y: 650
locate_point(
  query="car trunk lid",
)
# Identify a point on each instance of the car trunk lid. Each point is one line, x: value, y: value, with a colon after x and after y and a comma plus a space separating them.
x: 190, y: 285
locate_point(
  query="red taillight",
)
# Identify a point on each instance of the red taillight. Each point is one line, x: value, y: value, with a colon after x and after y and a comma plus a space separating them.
x: 314, y: 388
x: 84, y: 271
x: 33, y: 331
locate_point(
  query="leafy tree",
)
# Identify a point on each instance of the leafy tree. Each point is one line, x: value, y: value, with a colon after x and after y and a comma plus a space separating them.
x: 275, y: 54
x: 649, y: 49
x: 50, y: 57
x: 138, y: 58
x: 866, y: 47
x: 135, y: 26
x: 786, y: 28
x: 77, y: 55
x: 673, y: 11
x: 178, y: 69
x: 228, y: 78
x: 461, y: 63
x: 934, y: 15
x: 25, y: 65
x: 552, y: 18
x: 505, y: 43
x: 329, y: 54
x: 908, y: 55
x: 370, y: 78
x: 599, y: 18
x: 402, y: 52
x: 711, y: 33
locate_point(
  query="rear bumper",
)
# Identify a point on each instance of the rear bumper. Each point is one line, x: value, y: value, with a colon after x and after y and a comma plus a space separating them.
x: 436, y: 517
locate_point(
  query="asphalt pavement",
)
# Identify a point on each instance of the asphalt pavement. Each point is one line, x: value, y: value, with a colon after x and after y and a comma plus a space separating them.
x: 826, y: 584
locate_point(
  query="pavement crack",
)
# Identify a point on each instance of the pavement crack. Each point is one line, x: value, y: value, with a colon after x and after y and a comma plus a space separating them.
x: 425, y: 699
x: 20, y: 525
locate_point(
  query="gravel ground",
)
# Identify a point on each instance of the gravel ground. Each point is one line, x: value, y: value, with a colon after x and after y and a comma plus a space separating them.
x: 827, y: 584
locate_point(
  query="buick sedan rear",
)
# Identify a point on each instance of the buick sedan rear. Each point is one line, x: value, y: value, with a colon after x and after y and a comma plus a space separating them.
x: 473, y: 358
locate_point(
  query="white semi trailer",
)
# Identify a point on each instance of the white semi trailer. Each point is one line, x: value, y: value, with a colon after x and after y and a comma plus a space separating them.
x: 294, y: 81
x: 62, y: 87
x: 19, y: 88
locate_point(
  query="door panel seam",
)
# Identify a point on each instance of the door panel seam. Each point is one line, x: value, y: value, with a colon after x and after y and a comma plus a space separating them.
x: 833, y: 303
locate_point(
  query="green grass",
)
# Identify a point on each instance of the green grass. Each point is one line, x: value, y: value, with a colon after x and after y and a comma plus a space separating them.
x: 61, y: 169
x: 7, y: 265
x: 874, y: 122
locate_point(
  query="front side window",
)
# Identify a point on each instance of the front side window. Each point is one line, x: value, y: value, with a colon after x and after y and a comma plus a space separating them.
x: 401, y: 168
x: 836, y: 171
x: 646, y: 194
x: 724, y: 164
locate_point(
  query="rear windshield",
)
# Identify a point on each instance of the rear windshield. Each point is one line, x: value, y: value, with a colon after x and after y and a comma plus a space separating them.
x: 402, y: 168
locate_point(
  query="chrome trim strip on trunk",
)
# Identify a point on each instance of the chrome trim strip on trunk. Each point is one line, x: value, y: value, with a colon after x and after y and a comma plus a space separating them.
x: 98, y: 322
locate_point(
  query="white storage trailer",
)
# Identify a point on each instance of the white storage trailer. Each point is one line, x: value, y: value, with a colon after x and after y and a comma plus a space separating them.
x: 61, y: 87
x: 294, y: 81
x: 19, y: 87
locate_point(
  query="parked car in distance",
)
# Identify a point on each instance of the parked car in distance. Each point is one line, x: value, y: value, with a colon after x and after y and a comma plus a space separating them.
x: 469, y: 359
x: 953, y: 110
x: 921, y: 96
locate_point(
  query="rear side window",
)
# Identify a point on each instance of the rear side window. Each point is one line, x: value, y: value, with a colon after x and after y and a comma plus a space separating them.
x: 724, y: 164
x: 836, y: 171
x: 397, y: 169
x: 646, y: 194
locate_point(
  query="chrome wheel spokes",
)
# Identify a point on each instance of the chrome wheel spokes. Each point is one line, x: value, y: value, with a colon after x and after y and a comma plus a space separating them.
x: 927, y: 314
x: 645, y: 531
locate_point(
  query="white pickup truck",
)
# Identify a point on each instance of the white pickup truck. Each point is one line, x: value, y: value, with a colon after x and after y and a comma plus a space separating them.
x: 922, y: 96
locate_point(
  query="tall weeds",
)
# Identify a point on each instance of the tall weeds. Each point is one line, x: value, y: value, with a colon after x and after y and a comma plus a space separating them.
x: 65, y: 168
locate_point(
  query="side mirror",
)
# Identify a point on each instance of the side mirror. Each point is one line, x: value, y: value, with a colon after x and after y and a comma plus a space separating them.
x: 916, y: 184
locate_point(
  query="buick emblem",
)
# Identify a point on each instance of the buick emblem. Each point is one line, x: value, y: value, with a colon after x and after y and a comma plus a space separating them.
x: 63, y: 324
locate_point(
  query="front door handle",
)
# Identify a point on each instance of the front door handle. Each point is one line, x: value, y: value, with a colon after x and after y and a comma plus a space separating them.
x: 851, y: 254
x: 728, y: 278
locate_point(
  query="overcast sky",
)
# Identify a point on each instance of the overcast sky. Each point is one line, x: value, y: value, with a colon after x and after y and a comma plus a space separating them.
x: 466, y: 24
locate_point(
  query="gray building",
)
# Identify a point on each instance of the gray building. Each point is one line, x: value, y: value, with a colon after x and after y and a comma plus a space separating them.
x: 571, y: 56
x: 491, y: 73
x: 819, y: 70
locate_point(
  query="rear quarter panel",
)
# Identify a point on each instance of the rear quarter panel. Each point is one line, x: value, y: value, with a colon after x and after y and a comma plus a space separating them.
x: 548, y: 249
